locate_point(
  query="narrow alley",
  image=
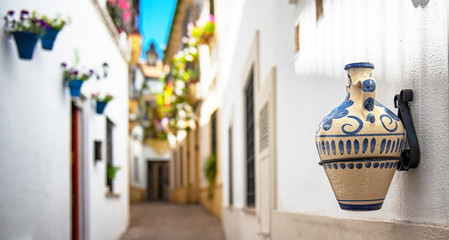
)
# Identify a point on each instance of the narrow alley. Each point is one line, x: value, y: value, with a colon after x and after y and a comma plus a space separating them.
x: 166, y: 221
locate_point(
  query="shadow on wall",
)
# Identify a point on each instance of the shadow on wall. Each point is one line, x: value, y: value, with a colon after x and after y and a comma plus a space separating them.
x: 417, y: 3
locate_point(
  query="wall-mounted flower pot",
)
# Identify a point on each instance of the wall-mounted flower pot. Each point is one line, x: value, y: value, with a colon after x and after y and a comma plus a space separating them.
x: 25, y: 42
x: 48, y: 39
x: 75, y: 87
x: 360, y: 143
x: 101, y: 105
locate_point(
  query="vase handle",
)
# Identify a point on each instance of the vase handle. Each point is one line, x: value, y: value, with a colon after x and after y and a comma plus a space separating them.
x: 369, y: 95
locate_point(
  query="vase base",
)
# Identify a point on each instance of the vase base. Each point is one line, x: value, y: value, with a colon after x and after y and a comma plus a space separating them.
x: 358, y: 207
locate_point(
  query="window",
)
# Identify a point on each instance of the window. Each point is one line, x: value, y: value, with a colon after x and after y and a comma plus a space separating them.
x: 213, y: 130
x: 250, y: 174
x: 297, y: 41
x: 109, y: 152
x: 136, y: 169
x: 231, y: 181
x: 319, y: 9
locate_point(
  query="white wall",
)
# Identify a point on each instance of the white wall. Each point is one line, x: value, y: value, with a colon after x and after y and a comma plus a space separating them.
x: 136, y: 152
x: 35, y: 178
x: 409, y: 47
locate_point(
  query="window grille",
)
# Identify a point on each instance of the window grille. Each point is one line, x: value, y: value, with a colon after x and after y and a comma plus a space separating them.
x: 250, y: 174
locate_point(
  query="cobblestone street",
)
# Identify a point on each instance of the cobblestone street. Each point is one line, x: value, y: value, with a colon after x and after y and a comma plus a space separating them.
x: 167, y: 221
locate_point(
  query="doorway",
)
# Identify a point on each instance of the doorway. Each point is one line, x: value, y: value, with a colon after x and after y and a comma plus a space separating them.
x: 157, y: 181
x: 76, y: 145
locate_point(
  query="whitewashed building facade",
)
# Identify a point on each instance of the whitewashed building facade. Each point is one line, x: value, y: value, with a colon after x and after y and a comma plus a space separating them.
x: 37, y: 133
x: 283, y: 60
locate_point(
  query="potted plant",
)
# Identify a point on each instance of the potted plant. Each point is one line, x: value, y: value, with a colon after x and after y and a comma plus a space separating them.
x: 203, y: 34
x: 102, y: 101
x: 55, y: 25
x: 75, y: 78
x: 120, y: 12
x: 111, y: 171
x: 210, y: 171
x: 25, y: 31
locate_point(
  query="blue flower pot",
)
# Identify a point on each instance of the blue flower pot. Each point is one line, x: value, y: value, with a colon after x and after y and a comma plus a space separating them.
x: 49, y: 38
x: 25, y: 42
x: 101, y: 105
x: 75, y: 87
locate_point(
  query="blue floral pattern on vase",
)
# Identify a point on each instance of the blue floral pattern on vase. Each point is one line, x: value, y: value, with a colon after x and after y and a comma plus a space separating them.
x: 337, y: 113
x: 389, y: 120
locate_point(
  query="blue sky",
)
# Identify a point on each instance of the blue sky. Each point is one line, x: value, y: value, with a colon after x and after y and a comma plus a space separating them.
x: 155, y: 22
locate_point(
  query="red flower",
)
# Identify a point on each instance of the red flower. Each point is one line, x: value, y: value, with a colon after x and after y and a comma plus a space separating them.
x: 126, y: 16
x: 123, y: 4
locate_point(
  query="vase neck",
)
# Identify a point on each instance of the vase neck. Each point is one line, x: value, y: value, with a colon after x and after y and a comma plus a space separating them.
x: 357, y: 74
x: 362, y: 88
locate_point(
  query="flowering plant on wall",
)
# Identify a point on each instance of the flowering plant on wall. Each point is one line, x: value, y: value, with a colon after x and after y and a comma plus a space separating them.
x: 26, y: 30
x: 102, y: 97
x: 120, y: 12
x: 203, y: 34
x: 55, y: 24
x: 26, y: 23
x: 75, y: 77
x: 102, y: 101
x: 73, y: 73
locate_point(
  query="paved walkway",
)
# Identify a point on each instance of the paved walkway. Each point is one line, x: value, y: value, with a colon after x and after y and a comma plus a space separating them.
x: 168, y: 221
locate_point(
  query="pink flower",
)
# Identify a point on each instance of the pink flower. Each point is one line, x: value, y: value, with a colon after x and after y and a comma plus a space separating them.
x: 111, y: 2
x: 211, y: 18
x: 190, y: 27
x: 126, y: 16
x: 95, y: 95
x: 123, y: 4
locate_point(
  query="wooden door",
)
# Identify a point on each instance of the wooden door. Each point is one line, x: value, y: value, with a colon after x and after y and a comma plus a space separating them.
x: 75, y: 173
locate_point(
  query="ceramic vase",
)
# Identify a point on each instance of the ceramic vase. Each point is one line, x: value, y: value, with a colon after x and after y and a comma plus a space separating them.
x: 25, y: 42
x: 360, y: 144
x: 101, y: 105
x: 48, y: 39
x: 75, y: 87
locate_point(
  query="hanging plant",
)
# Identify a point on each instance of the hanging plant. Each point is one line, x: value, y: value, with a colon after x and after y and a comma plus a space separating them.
x: 55, y: 25
x: 102, y: 100
x: 26, y: 31
x: 75, y: 77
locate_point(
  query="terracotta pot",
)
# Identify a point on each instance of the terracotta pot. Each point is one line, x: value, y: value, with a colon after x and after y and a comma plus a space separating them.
x: 360, y: 143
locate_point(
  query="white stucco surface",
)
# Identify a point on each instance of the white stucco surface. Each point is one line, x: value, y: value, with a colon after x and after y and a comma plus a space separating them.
x: 409, y: 47
x: 138, y: 173
x: 35, y: 177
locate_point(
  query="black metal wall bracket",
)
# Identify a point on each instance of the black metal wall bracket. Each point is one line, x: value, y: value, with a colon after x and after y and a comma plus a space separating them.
x: 410, y: 157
